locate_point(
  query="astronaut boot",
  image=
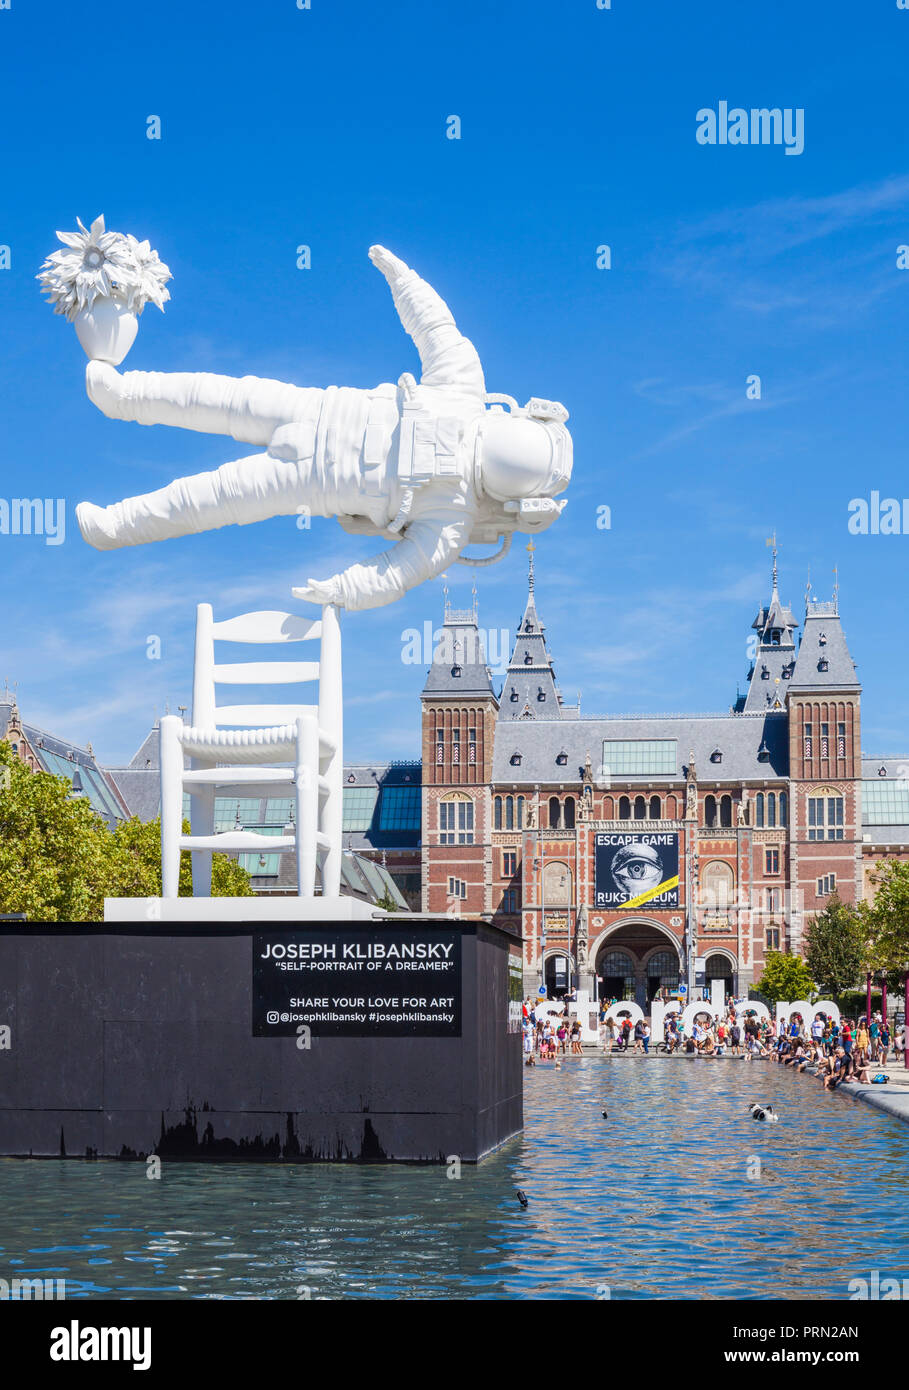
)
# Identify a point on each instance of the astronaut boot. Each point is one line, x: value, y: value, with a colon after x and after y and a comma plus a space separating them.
x: 98, y: 525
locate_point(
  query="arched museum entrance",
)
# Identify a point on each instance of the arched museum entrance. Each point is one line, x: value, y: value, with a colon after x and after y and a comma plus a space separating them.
x: 636, y: 960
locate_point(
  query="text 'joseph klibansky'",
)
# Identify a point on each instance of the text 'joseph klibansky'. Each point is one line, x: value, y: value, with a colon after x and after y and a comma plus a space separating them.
x: 758, y: 126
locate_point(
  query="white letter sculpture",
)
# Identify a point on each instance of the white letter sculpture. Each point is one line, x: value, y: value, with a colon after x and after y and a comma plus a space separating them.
x: 428, y: 466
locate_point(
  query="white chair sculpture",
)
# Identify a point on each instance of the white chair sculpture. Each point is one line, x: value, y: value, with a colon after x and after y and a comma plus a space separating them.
x: 236, y: 750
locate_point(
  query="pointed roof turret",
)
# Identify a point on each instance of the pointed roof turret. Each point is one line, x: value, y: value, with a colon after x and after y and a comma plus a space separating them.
x: 530, y: 690
x: 824, y: 662
x: 775, y: 653
x: 458, y: 657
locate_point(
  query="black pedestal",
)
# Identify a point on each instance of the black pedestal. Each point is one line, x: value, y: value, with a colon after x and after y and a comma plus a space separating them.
x: 191, y: 1042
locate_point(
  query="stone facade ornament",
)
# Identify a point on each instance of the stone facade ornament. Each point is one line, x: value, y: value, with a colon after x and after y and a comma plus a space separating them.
x: 691, y: 789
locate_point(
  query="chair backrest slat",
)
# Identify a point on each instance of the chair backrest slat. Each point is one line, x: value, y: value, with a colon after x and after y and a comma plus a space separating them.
x: 262, y: 716
x: 267, y: 626
x: 267, y: 673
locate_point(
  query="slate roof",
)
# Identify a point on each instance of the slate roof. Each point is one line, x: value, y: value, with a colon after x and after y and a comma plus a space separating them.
x: 738, y: 738
x: 896, y: 767
x: 823, y: 639
x: 62, y: 758
x: 530, y: 691
x: 769, y: 679
x: 458, y: 660
x: 886, y: 835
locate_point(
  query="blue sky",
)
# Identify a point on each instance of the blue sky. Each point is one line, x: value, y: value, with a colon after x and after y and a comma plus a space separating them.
x: 327, y: 127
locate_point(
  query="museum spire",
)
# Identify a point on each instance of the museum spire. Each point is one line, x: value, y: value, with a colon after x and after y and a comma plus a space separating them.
x: 530, y: 690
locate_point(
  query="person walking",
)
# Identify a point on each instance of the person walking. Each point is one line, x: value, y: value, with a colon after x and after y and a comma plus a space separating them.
x: 862, y: 1042
x: 884, y: 1044
x: 645, y: 1039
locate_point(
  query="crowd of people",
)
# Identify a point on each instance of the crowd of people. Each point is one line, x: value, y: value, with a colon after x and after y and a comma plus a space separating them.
x: 836, y: 1051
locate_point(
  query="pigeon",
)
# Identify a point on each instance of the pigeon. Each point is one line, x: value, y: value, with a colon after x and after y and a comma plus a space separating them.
x: 522, y: 1198
x: 764, y: 1112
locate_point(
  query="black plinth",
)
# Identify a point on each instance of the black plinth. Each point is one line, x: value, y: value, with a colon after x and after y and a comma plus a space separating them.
x: 187, y: 1041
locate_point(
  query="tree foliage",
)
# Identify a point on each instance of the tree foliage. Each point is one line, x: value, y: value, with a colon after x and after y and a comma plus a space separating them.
x: 53, y: 848
x: 785, y: 977
x: 888, y: 919
x: 837, y: 953
x: 59, y: 860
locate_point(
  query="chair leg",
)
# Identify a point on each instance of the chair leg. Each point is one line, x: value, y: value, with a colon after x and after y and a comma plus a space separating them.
x: 202, y: 822
x: 171, y: 758
x: 306, y: 790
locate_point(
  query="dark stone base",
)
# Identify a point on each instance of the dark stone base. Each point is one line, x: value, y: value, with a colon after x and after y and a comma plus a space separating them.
x: 130, y: 1040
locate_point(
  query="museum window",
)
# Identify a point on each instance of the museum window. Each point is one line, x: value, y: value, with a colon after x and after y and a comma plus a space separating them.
x: 825, y: 740
x: 784, y: 809
x: 497, y: 813
x: 457, y: 888
x: 726, y: 811
x: 808, y: 740
x: 656, y: 808
x: 520, y: 813
x: 662, y: 973
x: 826, y: 885
x: 771, y: 861
x: 624, y: 808
x: 759, y: 810
x: 528, y: 659
x: 509, y: 863
x: 825, y: 817
x: 771, y: 808
x: 509, y: 900
x: 640, y: 808
x: 515, y: 760
x: 456, y: 821
x: 440, y: 746
x: 513, y: 697
x: 455, y: 747
x: 710, y: 812
x: 555, y: 813
x: 568, y: 814
x: 472, y: 747
x: 772, y: 938
x: 841, y: 740
x: 773, y: 901
x: 509, y: 813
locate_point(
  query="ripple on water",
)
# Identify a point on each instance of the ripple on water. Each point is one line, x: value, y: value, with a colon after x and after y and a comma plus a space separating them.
x: 654, y: 1202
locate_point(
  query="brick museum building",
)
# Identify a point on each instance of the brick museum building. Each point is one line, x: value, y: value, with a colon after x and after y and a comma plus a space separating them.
x: 640, y: 852
x: 631, y: 853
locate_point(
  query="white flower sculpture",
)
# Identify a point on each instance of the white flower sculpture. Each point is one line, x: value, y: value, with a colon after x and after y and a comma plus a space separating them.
x: 98, y: 264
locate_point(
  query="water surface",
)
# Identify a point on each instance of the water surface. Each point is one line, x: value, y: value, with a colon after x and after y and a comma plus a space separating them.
x: 654, y: 1202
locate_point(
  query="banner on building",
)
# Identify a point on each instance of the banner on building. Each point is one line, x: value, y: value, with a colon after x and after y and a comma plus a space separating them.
x: 636, y: 869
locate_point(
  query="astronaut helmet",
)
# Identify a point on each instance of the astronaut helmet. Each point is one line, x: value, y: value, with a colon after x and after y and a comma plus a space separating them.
x: 524, y: 453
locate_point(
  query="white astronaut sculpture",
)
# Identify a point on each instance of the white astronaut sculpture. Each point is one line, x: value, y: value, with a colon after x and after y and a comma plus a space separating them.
x: 433, y: 466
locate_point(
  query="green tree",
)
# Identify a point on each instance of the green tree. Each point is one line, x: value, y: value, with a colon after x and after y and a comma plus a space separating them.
x: 134, y: 869
x: 59, y: 860
x: 837, y: 950
x: 785, y: 977
x: 888, y: 918
x: 53, y: 860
